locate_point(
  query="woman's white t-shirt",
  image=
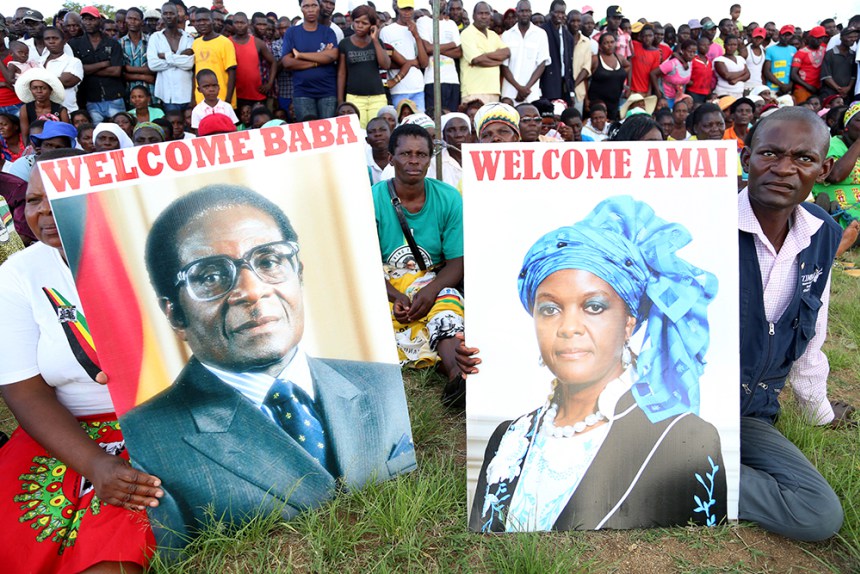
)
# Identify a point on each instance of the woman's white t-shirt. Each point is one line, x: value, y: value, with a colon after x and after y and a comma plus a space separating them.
x: 724, y: 88
x: 34, y: 339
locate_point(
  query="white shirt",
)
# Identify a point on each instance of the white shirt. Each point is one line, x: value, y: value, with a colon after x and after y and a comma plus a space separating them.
x: 35, y: 56
x: 779, y: 271
x: 448, y: 33
x: 72, y: 65
x: 255, y: 386
x: 452, y: 172
x: 402, y: 40
x: 173, y: 73
x: 527, y: 53
x: 34, y: 339
x: 203, y: 109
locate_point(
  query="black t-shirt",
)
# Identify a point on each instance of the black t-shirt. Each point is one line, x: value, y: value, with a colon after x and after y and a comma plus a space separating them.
x: 362, y: 69
x: 98, y: 88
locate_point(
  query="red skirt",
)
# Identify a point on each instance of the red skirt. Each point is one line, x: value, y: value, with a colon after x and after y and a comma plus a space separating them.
x: 51, y: 519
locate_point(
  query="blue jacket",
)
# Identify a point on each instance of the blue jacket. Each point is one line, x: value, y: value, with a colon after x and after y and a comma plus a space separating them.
x: 768, y: 350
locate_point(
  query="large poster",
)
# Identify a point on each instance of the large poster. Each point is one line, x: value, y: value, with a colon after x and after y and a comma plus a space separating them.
x: 603, y: 296
x: 233, y: 289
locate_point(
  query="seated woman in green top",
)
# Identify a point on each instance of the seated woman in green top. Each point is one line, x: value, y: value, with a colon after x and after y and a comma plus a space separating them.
x: 140, y: 98
x: 839, y: 193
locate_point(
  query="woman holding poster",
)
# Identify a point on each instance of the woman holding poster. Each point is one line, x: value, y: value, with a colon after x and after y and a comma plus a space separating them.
x: 618, y: 443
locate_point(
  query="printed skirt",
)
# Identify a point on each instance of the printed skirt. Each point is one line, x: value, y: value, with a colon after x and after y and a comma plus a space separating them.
x: 52, y: 521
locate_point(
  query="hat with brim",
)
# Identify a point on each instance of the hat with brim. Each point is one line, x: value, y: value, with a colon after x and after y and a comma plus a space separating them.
x: 22, y: 85
x: 52, y: 130
x: 636, y: 27
x: 90, y: 11
x: 708, y: 26
x: 650, y: 103
x: 725, y: 102
x: 759, y: 33
x: 733, y: 108
x: 785, y: 101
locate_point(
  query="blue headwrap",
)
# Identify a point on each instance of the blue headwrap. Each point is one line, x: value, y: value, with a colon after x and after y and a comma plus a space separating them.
x: 624, y: 243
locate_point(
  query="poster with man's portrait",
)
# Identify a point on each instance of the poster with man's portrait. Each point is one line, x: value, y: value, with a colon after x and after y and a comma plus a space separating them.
x: 233, y: 289
x: 603, y: 286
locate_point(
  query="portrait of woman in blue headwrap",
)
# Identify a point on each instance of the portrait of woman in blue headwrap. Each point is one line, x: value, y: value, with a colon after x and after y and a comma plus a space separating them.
x: 618, y: 443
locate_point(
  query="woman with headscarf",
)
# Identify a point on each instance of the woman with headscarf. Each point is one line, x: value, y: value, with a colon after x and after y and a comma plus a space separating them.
x: 497, y: 123
x: 456, y: 129
x: 146, y: 133
x: 108, y: 136
x: 618, y: 443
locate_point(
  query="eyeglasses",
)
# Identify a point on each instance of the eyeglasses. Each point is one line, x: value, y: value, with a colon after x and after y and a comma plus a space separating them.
x: 209, y: 278
x: 535, y: 119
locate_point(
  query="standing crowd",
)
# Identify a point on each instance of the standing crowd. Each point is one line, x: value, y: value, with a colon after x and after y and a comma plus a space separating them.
x: 92, y: 82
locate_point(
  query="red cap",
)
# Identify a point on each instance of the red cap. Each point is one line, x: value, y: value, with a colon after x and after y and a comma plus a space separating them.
x: 787, y: 29
x: 215, y: 124
x: 818, y: 32
x: 759, y: 33
x: 90, y: 11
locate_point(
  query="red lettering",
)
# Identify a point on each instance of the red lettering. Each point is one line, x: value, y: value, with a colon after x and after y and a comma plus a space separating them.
x: 211, y: 150
x: 703, y: 164
x: 549, y: 170
x: 178, y: 156
x: 679, y: 160
x: 122, y: 174
x: 238, y: 141
x: 297, y: 136
x: 321, y: 130
x: 654, y: 165
x: 273, y: 140
x: 344, y: 130
x: 528, y: 165
x: 95, y: 164
x: 486, y: 163
x: 67, y: 177
x: 599, y: 161
x: 572, y: 169
x: 721, y: 162
x: 143, y: 160
x: 512, y: 161
x: 622, y: 163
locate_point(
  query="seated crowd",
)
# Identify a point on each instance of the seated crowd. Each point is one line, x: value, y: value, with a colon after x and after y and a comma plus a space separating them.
x: 93, y: 82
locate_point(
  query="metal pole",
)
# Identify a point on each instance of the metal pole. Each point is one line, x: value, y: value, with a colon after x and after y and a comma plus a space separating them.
x: 437, y: 87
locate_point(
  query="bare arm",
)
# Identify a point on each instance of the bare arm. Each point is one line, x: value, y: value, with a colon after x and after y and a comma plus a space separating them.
x: 231, y: 84
x: 69, y: 80
x: 795, y: 77
x: 266, y: 54
x: 341, y: 79
x: 382, y: 57
x: 842, y: 168
x: 49, y: 423
x: 656, y: 74
x: 322, y: 58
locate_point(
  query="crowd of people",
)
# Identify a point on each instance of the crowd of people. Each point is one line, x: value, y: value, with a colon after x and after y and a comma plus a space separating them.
x: 87, y: 81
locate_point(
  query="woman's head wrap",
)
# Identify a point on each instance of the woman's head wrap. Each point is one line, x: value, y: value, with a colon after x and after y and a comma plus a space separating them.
x: 390, y: 110
x: 448, y: 117
x: 420, y: 119
x: 624, y: 243
x: 852, y: 111
x: 497, y: 113
x: 124, y: 140
x: 150, y: 125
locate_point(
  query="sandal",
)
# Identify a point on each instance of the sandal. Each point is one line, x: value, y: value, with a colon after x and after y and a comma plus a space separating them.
x: 842, y: 412
x: 454, y: 395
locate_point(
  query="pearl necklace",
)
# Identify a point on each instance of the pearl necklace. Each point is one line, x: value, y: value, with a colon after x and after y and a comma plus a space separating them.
x: 569, y: 430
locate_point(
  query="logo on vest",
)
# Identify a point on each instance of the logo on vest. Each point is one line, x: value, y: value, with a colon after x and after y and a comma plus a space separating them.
x: 810, y: 278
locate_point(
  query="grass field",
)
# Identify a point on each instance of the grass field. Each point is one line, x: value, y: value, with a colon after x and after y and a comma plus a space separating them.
x: 416, y: 523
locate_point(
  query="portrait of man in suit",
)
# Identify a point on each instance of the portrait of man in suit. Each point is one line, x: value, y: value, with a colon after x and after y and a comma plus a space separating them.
x: 252, y: 424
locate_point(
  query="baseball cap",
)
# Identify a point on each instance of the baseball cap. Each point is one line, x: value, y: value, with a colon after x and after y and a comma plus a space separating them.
x: 90, y: 11
x: 151, y: 13
x: 215, y: 124
x: 402, y: 4
x: 787, y: 29
x: 694, y: 24
x: 54, y: 130
x: 709, y: 25
x: 636, y: 27
x: 818, y: 32
x: 759, y: 33
x: 587, y: 10
x: 614, y: 12
x: 33, y: 15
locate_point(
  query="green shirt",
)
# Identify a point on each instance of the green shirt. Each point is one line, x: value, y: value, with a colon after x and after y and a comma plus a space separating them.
x: 437, y: 227
x: 845, y: 192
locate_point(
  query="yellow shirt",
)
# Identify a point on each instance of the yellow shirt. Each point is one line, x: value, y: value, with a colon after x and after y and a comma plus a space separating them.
x: 218, y: 55
x: 478, y: 79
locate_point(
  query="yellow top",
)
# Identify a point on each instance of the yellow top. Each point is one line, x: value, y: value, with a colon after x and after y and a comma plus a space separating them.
x: 478, y: 79
x: 218, y: 55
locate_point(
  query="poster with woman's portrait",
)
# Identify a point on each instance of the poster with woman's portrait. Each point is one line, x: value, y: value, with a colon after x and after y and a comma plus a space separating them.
x: 234, y: 297
x: 602, y: 287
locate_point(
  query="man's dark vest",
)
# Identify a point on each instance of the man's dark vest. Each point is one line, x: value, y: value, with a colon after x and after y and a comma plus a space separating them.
x: 768, y: 350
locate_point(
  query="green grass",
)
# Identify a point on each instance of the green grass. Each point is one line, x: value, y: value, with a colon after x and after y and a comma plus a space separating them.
x: 417, y: 523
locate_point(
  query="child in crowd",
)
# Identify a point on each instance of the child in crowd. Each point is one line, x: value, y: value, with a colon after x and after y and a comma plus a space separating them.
x: 20, y: 62
x: 207, y: 84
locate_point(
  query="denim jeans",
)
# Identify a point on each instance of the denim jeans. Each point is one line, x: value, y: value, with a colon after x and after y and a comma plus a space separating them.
x: 14, y: 109
x: 101, y: 111
x: 780, y: 489
x: 320, y: 107
x: 174, y: 107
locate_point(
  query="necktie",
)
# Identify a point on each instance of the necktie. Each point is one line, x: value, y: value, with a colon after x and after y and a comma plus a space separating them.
x: 294, y: 412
